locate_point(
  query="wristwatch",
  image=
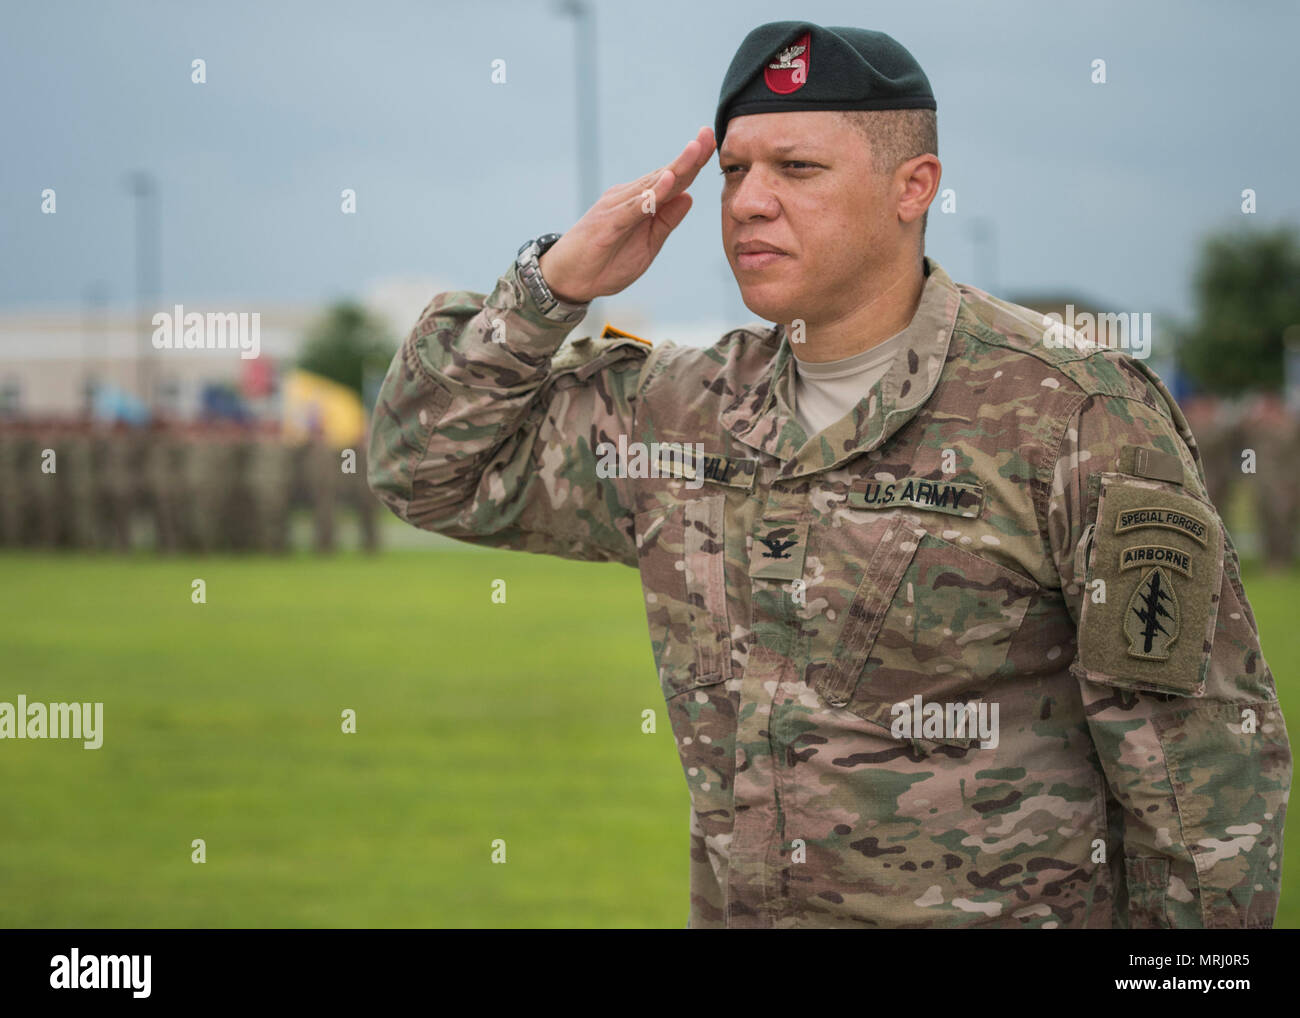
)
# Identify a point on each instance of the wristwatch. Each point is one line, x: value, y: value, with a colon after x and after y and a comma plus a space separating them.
x: 530, y: 274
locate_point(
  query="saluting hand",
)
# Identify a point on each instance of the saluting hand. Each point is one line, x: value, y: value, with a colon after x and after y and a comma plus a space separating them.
x: 613, y: 244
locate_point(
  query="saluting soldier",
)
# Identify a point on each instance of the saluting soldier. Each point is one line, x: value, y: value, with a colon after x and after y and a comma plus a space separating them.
x: 924, y: 590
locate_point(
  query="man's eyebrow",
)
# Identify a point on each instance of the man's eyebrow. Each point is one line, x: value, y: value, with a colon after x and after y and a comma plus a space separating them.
x: 779, y: 150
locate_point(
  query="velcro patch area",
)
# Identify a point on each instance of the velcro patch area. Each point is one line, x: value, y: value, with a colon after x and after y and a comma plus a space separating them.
x: 1151, y: 598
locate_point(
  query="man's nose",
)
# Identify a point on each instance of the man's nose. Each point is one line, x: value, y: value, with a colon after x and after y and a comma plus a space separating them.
x: 753, y: 197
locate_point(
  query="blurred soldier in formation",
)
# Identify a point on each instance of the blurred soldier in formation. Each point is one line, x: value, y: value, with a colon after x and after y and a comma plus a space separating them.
x: 112, y: 486
x: 356, y: 493
x: 269, y: 476
x: 1217, y: 427
x: 72, y: 484
x: 12, y: 494
x: 237, y: 511
x: 1274, y: 433
x: 337, y: 477
x: 10, y: 485
x: 204, y: 487
x: 207, y: 478
x: 28, y: 490
x: 162, y: 463
x: 321, y: 468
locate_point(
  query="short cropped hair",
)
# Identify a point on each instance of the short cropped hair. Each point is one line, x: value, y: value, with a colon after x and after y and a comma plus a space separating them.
x: 896, y: 136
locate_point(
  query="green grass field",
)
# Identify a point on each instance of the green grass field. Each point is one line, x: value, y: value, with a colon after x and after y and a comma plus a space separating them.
x: 475, y: 722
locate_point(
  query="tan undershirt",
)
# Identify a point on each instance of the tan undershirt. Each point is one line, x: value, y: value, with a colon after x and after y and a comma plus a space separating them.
x: 826, y: 391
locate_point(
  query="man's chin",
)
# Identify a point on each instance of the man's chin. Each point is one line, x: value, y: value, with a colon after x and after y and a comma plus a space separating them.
x: 772, y: 307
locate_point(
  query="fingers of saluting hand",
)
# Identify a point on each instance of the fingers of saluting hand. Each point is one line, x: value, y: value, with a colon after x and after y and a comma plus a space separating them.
x: 670, y: 215
x: 694, y: 157
x: 667, y: 182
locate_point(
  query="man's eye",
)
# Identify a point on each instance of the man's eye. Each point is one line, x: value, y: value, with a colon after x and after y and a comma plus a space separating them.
x: 790, y: 164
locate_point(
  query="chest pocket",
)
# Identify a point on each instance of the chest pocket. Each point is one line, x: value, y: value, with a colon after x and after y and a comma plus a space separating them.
x: 682, y: 557
x: 928, y: 619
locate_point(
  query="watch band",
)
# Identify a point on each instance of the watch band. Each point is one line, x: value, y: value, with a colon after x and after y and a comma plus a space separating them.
x: 530, y: 274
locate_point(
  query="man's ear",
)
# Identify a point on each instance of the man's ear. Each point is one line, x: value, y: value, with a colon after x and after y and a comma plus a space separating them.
x: 918, y: 185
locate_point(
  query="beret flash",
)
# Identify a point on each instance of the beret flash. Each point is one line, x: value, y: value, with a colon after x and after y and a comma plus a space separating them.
x: 785, y: 66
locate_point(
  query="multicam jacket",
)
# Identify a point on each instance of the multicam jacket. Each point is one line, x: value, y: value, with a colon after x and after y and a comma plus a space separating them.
x: 1002, y: 524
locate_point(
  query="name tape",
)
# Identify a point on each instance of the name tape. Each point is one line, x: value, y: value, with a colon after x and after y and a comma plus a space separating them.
x: 953, y: 498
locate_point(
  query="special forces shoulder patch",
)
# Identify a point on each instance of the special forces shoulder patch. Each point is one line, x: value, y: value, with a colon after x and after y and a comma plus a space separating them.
x: 1153, y: 620
x: 1151, y: 591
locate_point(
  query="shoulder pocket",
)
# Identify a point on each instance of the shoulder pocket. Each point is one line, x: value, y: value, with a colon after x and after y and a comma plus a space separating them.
x: 1151, y: 592
x: 682, y: 557
x: 585, y: 355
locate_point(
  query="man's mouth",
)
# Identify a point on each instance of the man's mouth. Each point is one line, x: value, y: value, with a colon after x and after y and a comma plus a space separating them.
x: 756, y: 255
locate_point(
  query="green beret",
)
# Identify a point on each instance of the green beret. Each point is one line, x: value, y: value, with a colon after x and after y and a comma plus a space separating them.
x: 795, y: 65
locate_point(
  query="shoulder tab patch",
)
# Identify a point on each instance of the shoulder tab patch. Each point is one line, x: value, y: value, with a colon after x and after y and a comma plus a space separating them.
x: 585, y: 355
x: 1144, y: 462
x: 1164, y: 517
x: 1151, y: 594
x: 613, y: 333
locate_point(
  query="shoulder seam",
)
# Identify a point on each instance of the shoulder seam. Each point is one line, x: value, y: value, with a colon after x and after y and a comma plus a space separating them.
x: 982, y: 333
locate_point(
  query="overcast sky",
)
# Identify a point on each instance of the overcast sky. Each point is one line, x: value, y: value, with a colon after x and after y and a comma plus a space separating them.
x: 1100, y: 190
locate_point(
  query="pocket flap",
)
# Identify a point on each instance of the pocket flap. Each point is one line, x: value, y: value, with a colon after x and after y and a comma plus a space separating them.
x: 880, y: 580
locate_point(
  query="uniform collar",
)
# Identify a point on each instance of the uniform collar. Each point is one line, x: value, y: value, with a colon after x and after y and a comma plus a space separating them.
x: 761, y: 418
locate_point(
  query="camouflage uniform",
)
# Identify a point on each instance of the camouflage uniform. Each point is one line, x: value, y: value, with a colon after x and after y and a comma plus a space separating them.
x: 997, y: 523
x: 238, y: 503
x: 36, y: 518
x: 1275, y: 435
x: 209, y: 478
x: 321, y: 465
x: 114, y: 509
x: 162, y: 467
x: 11, y: 482
x: 75, y: 487
x: 1220, y: 439
x: 270, y: 470
x: 353, y: 491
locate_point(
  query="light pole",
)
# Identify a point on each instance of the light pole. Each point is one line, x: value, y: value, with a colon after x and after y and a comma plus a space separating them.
x: 984, y: 241
x: 584, y: 24
x: 94, y: 304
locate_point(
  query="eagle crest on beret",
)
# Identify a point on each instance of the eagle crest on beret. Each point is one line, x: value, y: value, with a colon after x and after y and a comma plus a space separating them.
x: 785, y: 57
